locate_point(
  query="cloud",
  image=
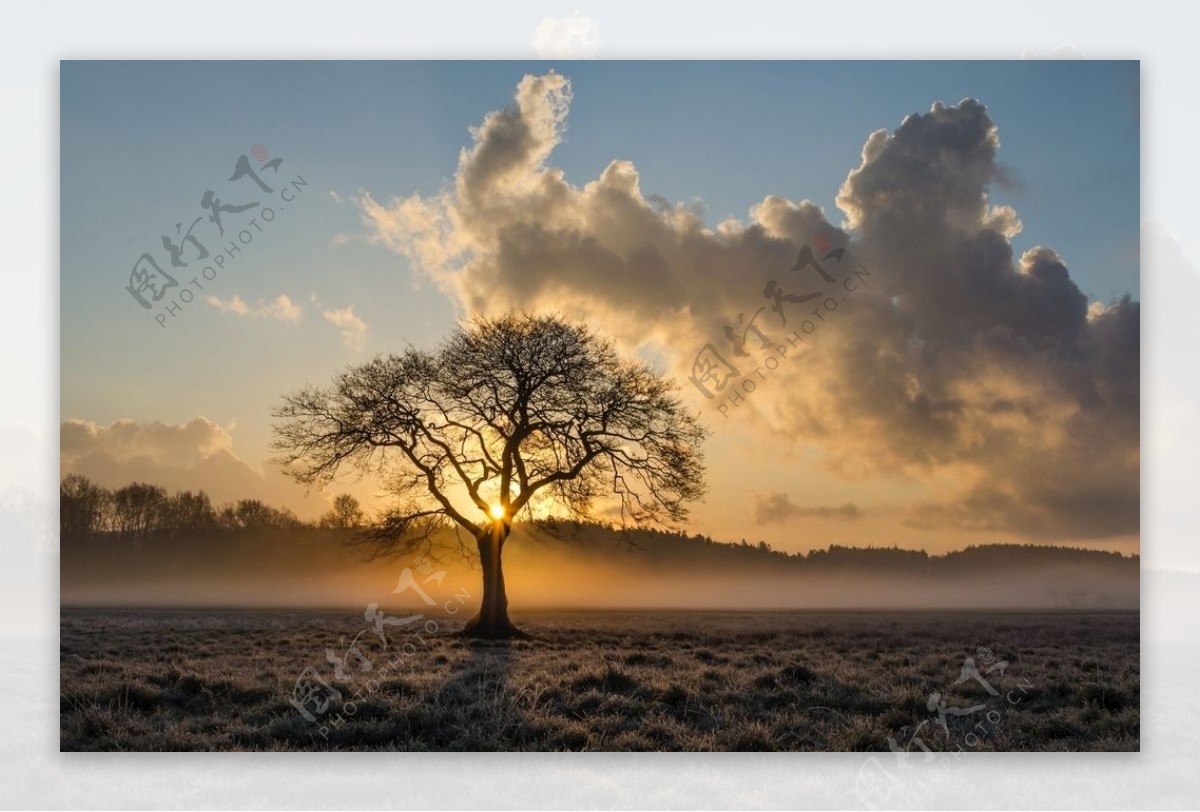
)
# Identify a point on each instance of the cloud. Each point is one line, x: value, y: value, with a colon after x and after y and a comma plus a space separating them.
x: 174, y: 444
x: 989, y: 377
x: 988, y: 368
x: 778, y: 508
x: 574, y: 37
x: 196, y: 455
x: 281, y: 308
x: 354, y: 329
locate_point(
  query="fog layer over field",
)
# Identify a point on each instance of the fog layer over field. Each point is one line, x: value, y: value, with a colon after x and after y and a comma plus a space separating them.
x: 588, y: 567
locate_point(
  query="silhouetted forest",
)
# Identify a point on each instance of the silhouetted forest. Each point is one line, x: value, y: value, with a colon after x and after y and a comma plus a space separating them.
x: 666, y: 545
x: 142, y: 516
x: 139, y: 510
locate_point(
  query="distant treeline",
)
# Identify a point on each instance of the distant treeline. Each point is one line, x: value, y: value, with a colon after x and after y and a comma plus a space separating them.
x: 139, y: 510
x: 665, y: 545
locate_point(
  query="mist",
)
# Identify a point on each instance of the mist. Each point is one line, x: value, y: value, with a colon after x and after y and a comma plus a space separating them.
x: 593, y: 569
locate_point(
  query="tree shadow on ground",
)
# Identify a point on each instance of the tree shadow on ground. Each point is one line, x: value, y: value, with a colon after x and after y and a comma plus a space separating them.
x: 477, y: 708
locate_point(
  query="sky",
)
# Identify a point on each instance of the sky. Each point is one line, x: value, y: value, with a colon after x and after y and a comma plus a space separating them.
x: 962, y: 395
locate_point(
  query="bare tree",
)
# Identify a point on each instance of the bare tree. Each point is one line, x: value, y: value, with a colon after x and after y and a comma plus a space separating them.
x: 139, y: 509
x: 82, y: 507
x: 192, y: 512
x: 346, y: 514
x: 254, y: 514
x: 511, y: 414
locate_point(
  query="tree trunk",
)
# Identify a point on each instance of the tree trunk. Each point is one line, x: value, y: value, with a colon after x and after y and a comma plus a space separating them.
x: 492, y: 623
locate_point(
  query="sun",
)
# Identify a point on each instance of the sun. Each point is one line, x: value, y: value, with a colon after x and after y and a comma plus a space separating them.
x: 497, y: 511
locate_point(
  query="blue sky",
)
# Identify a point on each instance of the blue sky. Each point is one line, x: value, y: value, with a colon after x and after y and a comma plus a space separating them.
x: 142, y: 141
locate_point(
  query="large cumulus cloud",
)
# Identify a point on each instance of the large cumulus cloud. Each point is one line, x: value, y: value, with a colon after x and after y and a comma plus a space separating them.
x: 989, y: 376
x: 994, y: 366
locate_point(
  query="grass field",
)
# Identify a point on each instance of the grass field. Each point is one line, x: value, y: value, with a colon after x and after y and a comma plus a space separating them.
x: 224, y: 680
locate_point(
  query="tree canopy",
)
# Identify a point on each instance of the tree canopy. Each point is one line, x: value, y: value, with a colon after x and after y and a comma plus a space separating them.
x: 507, y: 415
x: 505, y: 412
